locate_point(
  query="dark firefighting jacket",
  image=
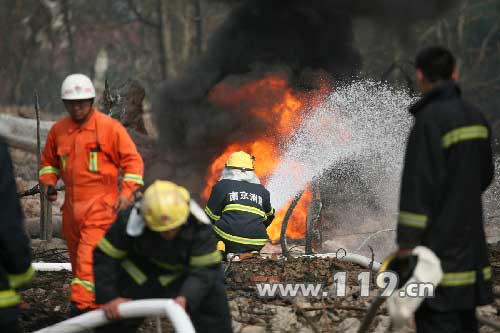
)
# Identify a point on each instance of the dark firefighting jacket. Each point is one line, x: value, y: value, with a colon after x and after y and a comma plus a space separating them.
x: 241, y: 211
x: 15, y: 251
x: 448, y: 165
x: 191, y: 260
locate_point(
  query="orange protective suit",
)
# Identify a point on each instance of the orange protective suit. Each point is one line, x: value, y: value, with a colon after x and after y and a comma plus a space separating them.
x: 88, y: 158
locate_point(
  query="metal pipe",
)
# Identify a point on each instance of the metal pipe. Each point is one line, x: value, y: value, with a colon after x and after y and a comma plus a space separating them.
x: 133, y: 309
x: 284, y: 224
x: 313, y: 228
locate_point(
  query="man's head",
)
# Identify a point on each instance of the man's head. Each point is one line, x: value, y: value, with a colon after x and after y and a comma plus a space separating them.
x: 240, y: 160
x: 78, y: 93
x: 165, y: 208
x: 434, y: 65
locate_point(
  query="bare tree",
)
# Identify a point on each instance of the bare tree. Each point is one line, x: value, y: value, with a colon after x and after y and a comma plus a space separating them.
x: 65, y: 6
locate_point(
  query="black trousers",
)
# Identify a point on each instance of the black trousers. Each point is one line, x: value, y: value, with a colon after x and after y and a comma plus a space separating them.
x: 431, y: 321
x: 212, y: 314
x: 8, y: 319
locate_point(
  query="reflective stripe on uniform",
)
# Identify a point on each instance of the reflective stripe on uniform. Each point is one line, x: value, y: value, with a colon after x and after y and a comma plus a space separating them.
x: 17, y: 280
x: 63, y: 163
x: 211, y: 214
x: 487, y: 273
x: 132, y: 177
x: 9, y: 298
x: 168, y: 266
x: 166, y: 279
x: 240, y: 240
x: 206, y: 259
x: 463, y: 134
x: 244, y: 208
x: 271, y: 212
x: 412, y: 220
x: 93, y: 167
x: 134, y: 271
x: 84, y: 283
x: 48, y: 169
x: 105, y: 246
x: 458, y: 279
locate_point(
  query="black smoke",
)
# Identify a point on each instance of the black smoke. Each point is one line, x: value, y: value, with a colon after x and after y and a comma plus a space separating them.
x: 294, y: 36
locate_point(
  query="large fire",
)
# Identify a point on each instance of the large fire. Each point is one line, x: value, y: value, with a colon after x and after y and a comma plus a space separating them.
x: 281, y: 109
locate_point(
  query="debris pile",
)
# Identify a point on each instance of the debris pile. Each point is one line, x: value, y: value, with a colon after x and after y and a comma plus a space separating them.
x: 45, y: 302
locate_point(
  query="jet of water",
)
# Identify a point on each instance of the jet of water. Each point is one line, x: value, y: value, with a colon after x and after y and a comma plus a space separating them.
x: 359, y: 131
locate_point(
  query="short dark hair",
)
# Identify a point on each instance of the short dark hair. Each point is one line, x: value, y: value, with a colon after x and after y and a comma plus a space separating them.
x: 436, y: 62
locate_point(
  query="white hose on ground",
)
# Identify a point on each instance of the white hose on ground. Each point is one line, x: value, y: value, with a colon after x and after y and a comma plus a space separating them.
x: 51, y: 267
x: 128, y: 310
x: 352, y: 258
x: 349, y: 257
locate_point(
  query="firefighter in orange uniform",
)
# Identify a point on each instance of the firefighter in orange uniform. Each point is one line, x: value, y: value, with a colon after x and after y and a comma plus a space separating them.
x: 88, y: 150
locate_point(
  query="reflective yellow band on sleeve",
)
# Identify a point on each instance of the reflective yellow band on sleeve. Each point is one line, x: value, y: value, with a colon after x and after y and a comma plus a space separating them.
x: 459, y: 279
x: 89, y: 286
x: 463, y: 134
x: 206, y: 259
x: 105, y: 246
x: 412, y: 220
x: 456, y: 279
x: 244, y: 208
x: 132, y: 177
x: 134, y: 271
x: 240, y: 240
x: 271, y: 212
x: 211, y: 214
x: 167, y: 279
x: 9, y: 298
x: 170, y: 267
x: 17, y: 280
x: 48, y: 169
x: 487, y: 273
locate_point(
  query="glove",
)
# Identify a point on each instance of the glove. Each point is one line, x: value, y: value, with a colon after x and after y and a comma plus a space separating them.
x: 427, y: 269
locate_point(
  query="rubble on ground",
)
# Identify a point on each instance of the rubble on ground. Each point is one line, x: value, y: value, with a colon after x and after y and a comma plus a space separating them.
x: 45, y: 301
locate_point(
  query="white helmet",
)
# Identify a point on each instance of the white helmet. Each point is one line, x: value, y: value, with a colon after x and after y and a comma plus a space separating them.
x: 77, y: 86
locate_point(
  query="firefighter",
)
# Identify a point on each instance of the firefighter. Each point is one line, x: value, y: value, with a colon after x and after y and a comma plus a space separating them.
x: 240, y: 206
x: 448, y: 165
x: 15, y: 263
x: 88, y: 150
x: 163, y: 247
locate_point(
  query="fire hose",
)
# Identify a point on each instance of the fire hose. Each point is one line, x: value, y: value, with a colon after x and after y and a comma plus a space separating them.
x: 133, y: 309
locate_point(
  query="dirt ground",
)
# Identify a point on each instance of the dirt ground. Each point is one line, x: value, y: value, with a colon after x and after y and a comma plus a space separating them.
x: 45, y: 301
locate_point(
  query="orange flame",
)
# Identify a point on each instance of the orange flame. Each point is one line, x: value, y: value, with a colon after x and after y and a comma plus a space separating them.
x: 273, y: 102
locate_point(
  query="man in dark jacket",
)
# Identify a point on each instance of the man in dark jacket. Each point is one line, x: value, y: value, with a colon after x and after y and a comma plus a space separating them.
x: 240, y: 206
x: 15, y: 251
x: 448, y: 165
x: 162, y: 248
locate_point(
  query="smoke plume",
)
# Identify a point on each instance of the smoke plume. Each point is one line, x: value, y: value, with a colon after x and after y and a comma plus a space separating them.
x: 296, y: 37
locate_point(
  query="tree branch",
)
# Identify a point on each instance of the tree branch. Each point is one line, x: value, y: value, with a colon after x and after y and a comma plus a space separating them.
x: 484, y: 45
x: 141, y: 17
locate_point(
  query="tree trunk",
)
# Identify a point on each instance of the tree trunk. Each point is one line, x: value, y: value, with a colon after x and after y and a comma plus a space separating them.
x: 161, y: 41
x: 67, y: 26
x: 181, y: 26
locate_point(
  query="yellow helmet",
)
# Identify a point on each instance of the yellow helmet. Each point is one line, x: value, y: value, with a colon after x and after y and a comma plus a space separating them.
x: 165, y: 206
x: 240, y: 160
